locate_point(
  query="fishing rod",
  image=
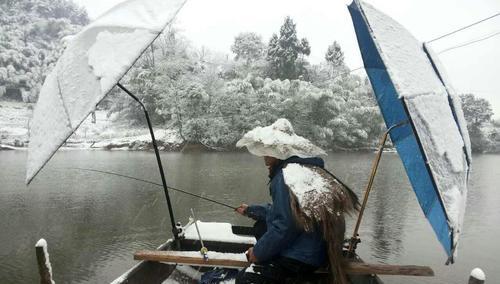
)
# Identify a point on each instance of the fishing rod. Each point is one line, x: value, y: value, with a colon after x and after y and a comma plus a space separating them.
x: 158, y: 184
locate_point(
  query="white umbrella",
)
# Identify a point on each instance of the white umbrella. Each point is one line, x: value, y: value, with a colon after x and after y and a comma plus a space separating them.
x: 91, y: 65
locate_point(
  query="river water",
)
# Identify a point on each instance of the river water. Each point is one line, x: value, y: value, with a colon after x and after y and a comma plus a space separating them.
x: 93, y: 223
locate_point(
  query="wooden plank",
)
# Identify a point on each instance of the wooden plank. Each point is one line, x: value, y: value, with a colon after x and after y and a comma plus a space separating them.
x: 177, y: 257
x: 353, y: 268
x: 360, y: 268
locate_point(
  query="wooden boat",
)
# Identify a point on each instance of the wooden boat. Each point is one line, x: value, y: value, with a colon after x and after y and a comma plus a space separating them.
x: 236, y: 240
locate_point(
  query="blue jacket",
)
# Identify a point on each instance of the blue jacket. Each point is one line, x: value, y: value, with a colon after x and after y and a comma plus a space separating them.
x: 282, y: 237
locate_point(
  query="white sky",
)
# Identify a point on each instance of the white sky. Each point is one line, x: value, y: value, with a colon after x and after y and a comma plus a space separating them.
x: 474, y: 68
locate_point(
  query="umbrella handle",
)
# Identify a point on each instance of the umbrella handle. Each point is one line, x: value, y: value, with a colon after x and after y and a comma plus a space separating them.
x: 355, y: 237
x: 175, y: 231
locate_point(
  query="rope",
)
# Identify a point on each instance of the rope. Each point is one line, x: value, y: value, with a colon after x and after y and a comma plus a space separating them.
x: 470, y: 42
x: 463, y: 28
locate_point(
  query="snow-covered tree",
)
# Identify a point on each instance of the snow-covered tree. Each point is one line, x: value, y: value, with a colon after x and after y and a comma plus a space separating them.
x: 334, y: 55
x: 248, y: 46
x: 30, y: 41
x: 212, y: 100
x: 283, y: 52
x: 477, y: 112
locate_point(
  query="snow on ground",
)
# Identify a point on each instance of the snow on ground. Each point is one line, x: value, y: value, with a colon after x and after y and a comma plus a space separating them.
x: 14, y: 122
x: 108, y: 133
x: 105, y: 133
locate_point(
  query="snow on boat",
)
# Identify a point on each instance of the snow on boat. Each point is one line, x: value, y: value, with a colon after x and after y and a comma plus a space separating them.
x: 227, y: 243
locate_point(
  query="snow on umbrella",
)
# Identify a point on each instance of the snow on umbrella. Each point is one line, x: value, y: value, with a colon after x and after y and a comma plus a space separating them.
x: 91, y: 65
x: 434, y: 146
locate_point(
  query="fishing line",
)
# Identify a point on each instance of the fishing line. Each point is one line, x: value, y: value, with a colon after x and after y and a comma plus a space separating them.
x: 157, y: 184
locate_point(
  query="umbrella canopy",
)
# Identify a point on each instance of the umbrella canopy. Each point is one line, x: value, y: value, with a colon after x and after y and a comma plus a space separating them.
x: 410, y: 85
x: 93, y: 62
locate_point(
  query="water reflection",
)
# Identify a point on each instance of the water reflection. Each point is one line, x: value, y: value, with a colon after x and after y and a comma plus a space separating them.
x: 384, y: 220
x: 390, y: 204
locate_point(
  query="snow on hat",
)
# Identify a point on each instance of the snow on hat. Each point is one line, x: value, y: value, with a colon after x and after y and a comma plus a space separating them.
x: 278, y: 140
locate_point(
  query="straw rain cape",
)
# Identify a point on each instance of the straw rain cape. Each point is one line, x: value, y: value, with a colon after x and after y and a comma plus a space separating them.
x: 319, y: 201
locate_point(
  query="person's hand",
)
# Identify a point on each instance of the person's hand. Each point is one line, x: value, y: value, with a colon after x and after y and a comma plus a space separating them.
x: 250, y: 256
x: 242, y: 209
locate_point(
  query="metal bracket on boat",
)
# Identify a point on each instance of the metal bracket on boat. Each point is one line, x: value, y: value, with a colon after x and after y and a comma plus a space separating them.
x: 203, y: 250
x: 355, y: 236
x: 175, y: 230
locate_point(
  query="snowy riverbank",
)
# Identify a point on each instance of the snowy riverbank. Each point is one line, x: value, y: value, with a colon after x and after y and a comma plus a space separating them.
x: 109, y: 134
x: 103, y: 133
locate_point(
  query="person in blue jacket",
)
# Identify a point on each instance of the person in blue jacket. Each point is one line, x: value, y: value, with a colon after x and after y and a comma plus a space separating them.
x: 283, y: 250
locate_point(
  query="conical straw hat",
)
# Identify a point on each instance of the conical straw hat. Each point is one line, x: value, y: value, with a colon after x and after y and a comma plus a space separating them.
x: 278, y: 140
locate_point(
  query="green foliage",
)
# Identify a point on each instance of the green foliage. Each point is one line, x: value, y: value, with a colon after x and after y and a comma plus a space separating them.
x: 285, y: 53
x: 30, y: 40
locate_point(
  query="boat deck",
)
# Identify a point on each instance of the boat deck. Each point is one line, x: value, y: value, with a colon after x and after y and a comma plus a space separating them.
x: 217, y: 237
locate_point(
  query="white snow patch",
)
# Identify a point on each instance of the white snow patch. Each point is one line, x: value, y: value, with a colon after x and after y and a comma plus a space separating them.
x: 49, y: 120
x: 189, y: 271
x: 454, y: 98
x: 214, y: 255
x: 434, y: 120
x: 251, y: 270
x: 170, y: 281
x: 214, y: 231
x: 16, y: 131
x: 478, y: 274
x: 306, y: 184
x: 41, y: 243
x: 452, y: 197
x: 278, y: 140
x: 7, y: 147
x: 139, y: 14
x: 397, y: 45
x: 109, y: 65
x: 121, y: 278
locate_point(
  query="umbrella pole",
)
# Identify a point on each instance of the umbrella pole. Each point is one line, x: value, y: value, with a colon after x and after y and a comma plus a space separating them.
x: 160, y: 167
x: 355, y: 238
